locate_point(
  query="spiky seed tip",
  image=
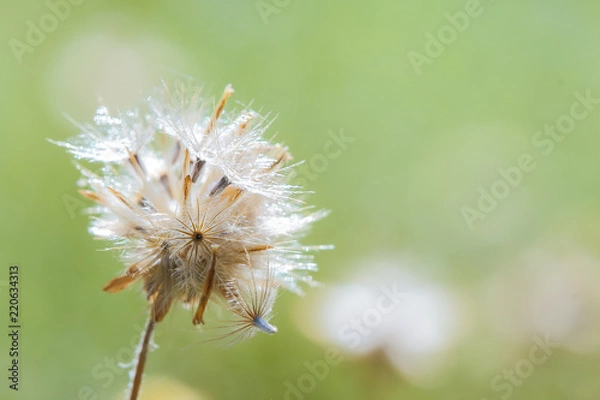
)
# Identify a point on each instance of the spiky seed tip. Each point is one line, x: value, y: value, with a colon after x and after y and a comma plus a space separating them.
x: 264, y: 325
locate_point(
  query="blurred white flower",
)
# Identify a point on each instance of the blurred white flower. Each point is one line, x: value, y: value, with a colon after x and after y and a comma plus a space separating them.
x: 112, y: 56
x: 387, y: 307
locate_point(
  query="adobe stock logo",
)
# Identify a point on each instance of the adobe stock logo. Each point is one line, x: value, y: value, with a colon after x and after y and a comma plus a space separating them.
x: 35, y: 35
x: 107, y: 370
x: 351, y: 335
x: 456, y: 24
x: 505, y: 384
x: 317, y: 164
x: 544, y: 141
x: 270, y: 7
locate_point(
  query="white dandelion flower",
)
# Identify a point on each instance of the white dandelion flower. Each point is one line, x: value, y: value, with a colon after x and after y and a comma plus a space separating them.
x: 199, y: 203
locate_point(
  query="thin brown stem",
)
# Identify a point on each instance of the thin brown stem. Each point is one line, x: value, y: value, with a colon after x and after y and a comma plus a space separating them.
x: 141, y: 361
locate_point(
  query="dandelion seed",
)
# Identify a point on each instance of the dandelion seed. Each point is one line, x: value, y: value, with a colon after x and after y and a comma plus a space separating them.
x: 199, y: 204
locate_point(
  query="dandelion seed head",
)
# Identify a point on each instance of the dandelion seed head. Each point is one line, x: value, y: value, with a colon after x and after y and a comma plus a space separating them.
x: 198, y: 203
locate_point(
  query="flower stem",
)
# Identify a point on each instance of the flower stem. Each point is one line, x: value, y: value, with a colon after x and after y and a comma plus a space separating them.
x: 141, y: 358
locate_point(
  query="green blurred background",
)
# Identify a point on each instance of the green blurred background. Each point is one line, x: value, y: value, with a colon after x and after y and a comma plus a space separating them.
x: 425, y: 140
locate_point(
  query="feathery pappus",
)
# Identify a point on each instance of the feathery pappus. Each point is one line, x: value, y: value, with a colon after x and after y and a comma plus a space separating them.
x: 199, y: 204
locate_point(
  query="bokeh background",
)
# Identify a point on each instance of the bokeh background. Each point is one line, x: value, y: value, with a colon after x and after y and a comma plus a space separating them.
x: 425, y: 139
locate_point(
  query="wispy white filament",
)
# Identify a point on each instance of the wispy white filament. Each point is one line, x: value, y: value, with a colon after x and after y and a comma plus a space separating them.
x: 198, y: 203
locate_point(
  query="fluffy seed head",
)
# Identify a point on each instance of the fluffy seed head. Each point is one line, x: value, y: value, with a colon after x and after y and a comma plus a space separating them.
x: 199, y: 203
